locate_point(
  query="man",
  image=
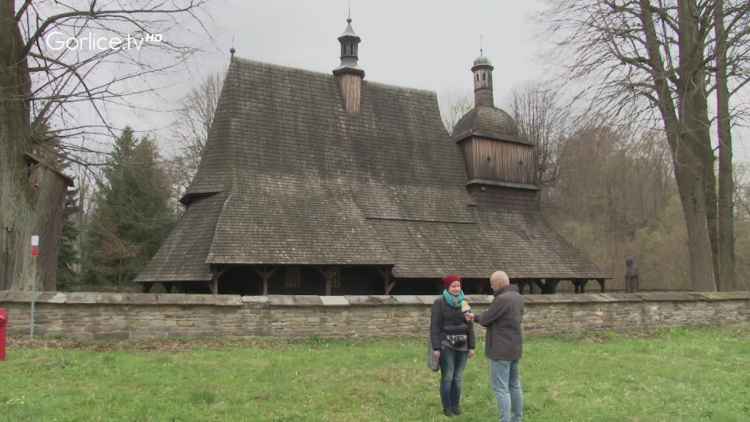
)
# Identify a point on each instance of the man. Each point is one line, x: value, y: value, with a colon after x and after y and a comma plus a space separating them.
x: 504, y: 345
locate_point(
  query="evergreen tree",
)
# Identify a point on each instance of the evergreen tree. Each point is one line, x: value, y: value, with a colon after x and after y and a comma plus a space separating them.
x: 67, y: 255
x: 131, y: 214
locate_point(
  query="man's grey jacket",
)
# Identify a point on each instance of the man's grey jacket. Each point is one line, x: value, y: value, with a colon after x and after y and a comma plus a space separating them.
x: 503, y: 321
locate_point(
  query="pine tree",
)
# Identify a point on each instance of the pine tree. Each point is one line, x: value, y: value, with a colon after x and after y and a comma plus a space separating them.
x: 131, y: 216
x: 67, y: 255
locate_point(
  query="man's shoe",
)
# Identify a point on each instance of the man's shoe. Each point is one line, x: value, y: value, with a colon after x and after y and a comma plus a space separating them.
x: 456, y: 410
x: 448, y: 412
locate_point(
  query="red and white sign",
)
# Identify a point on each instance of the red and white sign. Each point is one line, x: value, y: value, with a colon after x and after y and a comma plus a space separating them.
x: 34, y: 245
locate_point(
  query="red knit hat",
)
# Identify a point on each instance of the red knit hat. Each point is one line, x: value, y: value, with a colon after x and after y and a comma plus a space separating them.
x: 450, y: 278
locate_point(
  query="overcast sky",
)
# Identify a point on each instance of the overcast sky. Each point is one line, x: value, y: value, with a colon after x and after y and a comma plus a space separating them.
x: 413, y: 43
x: 426, y: 44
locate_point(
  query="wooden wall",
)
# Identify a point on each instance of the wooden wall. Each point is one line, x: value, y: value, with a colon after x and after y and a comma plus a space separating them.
x: 351, y: 92
x: 502, y: 161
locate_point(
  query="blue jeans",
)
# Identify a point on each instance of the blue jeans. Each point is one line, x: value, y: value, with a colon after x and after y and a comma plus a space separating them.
x: 452, y: 365
x: 507, y: 387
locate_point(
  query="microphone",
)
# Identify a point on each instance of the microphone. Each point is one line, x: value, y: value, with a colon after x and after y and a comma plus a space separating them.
x: 465, y: 308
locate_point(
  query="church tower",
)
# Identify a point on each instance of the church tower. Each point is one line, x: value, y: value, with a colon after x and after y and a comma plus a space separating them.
x: 499, y: 165
x: 349, y: 73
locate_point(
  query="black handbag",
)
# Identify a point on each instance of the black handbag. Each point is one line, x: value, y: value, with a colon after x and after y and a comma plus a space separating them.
x: 432, y: 363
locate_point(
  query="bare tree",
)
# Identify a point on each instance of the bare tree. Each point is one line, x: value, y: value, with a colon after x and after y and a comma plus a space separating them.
x: 640, y: 57
x: 64, y: 65
x: 453, y: 106
x: 542, y: 122
x: 726, y: 261
x: 616, y: 197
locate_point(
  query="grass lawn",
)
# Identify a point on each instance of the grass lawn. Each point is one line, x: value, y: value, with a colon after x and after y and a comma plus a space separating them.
x: 679, y: 374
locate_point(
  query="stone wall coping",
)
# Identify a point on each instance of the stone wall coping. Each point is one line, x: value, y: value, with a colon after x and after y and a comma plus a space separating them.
x: 262, y: 300
x: 670, y: 296
x: 94, y: 298
x: 722, y: 295
x: 15, y: 296
x: 334, y: 301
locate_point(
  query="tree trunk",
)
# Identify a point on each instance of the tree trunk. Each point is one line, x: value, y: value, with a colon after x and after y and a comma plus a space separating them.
x: 692, y: 162
x: 684, y: 140
x: 727, y: 271
x: 19, y: 216
x: 14, y: 137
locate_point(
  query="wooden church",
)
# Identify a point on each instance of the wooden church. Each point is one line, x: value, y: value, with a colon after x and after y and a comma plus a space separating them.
x: 327, y: 184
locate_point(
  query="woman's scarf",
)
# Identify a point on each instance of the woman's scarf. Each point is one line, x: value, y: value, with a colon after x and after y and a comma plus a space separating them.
x: 454, y: 301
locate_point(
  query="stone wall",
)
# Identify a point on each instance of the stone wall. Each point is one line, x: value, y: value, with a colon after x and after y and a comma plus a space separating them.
x: 135, y: 316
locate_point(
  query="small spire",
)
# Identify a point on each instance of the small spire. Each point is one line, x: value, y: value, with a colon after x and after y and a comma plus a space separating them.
x: 349, y: 41
x: 481, y: 49
x: 232, y: 50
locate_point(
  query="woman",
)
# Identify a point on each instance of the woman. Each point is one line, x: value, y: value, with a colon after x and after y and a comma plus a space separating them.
x: 452, y: 342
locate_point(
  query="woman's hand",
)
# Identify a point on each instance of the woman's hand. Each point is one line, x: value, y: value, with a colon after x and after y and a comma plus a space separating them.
x: 472, y: 353
x: 436, y: 354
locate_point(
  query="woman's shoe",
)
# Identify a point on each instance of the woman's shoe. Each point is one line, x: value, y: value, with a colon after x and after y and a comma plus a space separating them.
x: 448, y: 412
x: 456, y: 410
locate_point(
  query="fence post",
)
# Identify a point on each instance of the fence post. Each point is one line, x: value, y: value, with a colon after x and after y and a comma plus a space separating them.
x: 3, y: 323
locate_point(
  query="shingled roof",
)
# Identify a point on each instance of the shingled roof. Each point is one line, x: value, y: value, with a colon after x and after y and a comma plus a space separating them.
x: 489, y: 122
x: 289, y: 178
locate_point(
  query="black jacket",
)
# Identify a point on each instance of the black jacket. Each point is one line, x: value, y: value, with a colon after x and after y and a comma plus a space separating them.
x: 503, y: 321
x: 445, y: 320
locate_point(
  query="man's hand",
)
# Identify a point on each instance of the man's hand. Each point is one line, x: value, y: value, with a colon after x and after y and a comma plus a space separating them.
x: 436, y: 354
x: 469, y: 317
x: 472, y: 353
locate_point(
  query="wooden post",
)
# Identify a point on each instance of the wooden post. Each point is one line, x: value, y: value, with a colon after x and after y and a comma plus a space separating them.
x: 522, y: 285
x: 601, y: 283
x: 328, y: 273
x: 265, y: 275
x: 547, y: 287
x: 390, y: 282
x: 552, y: 286
x: 214, y: 284
x: 540, y: 283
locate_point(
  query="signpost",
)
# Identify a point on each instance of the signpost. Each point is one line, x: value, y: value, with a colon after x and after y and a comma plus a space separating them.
x: 34, y: 252
x: 3, y: 323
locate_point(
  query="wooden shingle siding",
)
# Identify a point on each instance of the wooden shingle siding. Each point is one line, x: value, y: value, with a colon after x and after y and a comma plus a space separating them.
x: 182, y: 257
x: 488, y: 122
x: 289, y: 178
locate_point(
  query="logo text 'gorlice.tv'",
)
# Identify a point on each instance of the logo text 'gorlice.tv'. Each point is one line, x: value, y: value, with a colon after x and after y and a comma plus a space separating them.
x: 57, y: 41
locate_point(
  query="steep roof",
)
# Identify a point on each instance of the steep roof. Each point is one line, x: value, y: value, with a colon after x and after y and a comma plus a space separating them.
x: 288, y: 177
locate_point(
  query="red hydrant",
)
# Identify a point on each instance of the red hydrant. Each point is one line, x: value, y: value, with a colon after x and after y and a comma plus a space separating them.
x: 3, y: 323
